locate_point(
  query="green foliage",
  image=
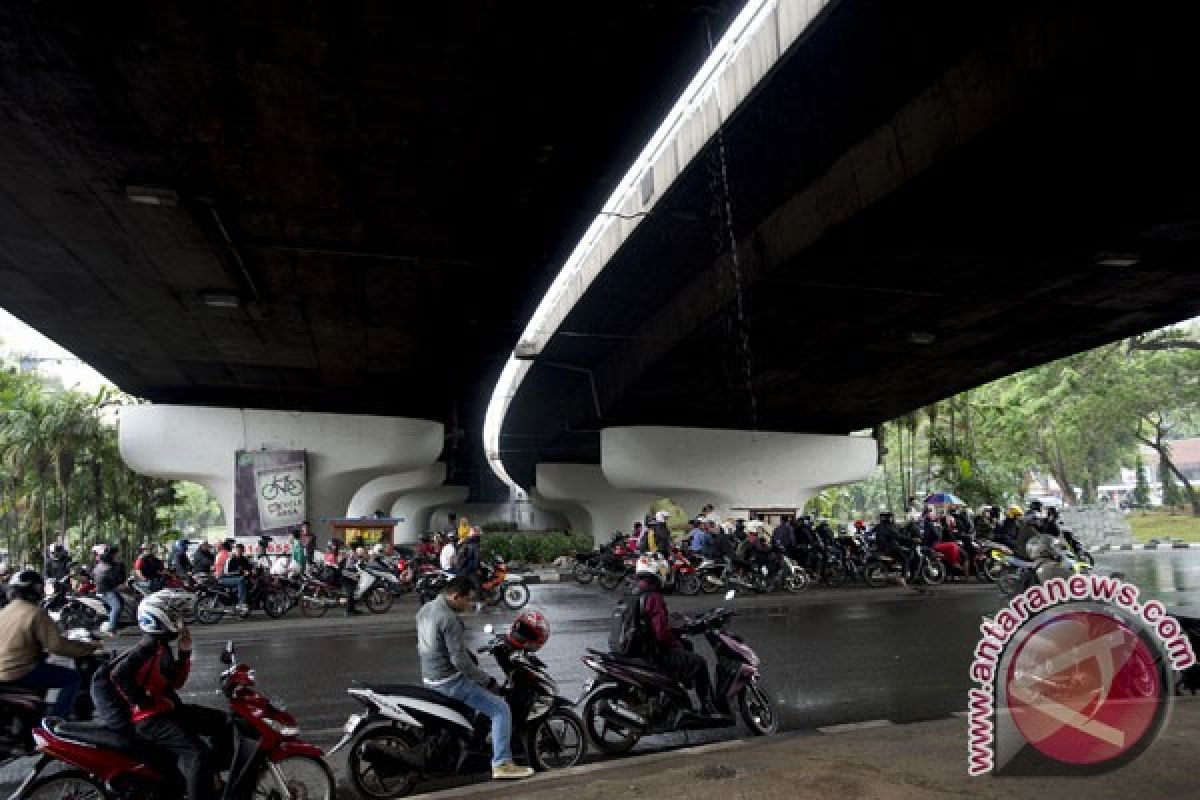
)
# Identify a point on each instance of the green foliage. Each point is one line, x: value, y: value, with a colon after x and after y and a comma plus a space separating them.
x: 534, y: 548
x: 61, y: 474
x: 1141, y: 490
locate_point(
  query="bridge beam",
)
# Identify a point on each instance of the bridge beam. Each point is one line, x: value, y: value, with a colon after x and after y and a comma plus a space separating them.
x: 584, y: 495
x: 343, y: 451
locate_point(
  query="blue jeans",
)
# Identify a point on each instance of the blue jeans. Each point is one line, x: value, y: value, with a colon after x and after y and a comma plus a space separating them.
x: 52, y: 676
x: 114, y: 603
x: 491, y: 705
x: 239, y: 582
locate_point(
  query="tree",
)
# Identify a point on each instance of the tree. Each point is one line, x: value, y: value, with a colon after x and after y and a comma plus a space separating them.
x: 1141, y: 490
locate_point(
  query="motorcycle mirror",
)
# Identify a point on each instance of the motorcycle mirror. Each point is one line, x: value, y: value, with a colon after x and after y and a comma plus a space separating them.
x: 730, y: 594
x: 227, y: 653
x: 489, y: 629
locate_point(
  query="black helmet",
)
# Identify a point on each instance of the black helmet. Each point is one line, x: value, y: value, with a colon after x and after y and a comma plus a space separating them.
x: 887, y: 516
x: 1036, y: 505
x: 27, y: 585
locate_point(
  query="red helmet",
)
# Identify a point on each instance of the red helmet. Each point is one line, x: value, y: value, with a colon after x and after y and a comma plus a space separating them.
x: 529, y: 631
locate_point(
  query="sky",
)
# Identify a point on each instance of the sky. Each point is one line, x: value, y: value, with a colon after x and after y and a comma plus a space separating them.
x: 18, y: 339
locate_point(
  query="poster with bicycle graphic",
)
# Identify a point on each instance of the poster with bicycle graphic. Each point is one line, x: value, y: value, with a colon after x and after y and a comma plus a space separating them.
x: 271, y: 491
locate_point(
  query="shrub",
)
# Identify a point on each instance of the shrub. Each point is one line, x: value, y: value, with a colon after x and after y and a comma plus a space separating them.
x: 498, y: 526
x: 534, y: 548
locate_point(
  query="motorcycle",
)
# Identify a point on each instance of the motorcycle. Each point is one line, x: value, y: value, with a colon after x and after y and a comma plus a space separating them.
x: 319, y: 594
x: 927, y: 568
x: 430, y: 585
x: 413, y: 733
x: 791, y: 577
x: 1058, y: 561
x: 498, y: 585
x: 216, y: 601
x: 70, y: 610
x: 21, y: 708
x: 587, y: 567
x: 631, y: 697
x: 269, y: 760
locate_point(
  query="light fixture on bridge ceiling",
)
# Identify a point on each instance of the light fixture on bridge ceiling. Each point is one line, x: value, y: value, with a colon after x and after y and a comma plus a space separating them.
x: 1118, y: 259
x: 152, y: 196
x: 921, y: 337
x: 220, y: 299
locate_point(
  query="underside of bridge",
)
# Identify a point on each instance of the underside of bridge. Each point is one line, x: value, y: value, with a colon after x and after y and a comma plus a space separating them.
x: 355, y: 207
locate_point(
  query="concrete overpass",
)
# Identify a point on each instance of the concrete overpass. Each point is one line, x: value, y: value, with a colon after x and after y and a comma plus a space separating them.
x: 318, y: 208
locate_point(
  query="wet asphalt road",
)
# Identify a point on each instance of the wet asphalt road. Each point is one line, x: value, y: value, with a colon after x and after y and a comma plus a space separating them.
x: 828, y: 656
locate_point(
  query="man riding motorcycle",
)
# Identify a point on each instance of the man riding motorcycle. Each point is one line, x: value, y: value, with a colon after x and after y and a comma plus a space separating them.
x: 887, y: 540
x: 140, y: 694
x: 448, y: 667
x: 659, y: 643
x: 27, y: 634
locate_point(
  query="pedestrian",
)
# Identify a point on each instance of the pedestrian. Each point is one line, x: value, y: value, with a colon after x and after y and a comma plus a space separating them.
x: 299, y: 553
x: 104, y: 574
x: 58, y: 563
x: 310, y: 543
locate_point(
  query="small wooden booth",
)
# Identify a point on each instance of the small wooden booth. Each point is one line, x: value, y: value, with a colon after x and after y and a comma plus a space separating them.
x: 365, y: 532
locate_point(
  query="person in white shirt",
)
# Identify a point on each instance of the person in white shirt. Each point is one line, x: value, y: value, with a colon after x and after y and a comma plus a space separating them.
x: 448, y: 554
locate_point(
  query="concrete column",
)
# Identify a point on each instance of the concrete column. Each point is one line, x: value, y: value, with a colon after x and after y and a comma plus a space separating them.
x: 414, y: 508
x: 732, y: 468
x: 576, y: 516
x: 343, y: 451
x: 379, y: 493
x: 584, y: 486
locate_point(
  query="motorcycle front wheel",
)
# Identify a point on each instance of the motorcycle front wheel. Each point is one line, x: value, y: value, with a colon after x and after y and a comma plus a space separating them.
x: 1010, y: 582
x: 797, y: 581
x: 835, y: 575
x: 934, y: 572
x: 688, y: 584
x: 379, y: 600
x: 276, y: 604
x: 208, y: 610
x: 73, y: 783
x: 376, y: 764
x: 515, y: 595
x: 610, y: 736
x: 875, y: 575
x: 611, y: 580
x: 557, y: 741
x: 756, y: 711
x: 583, y: 573
x: 313, y: 605
x: 296, y: 778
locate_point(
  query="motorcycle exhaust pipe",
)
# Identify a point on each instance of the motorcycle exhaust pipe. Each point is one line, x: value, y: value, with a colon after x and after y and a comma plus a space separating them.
x: 619, y: 714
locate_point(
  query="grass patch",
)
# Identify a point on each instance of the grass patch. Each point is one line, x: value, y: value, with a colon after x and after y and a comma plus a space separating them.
x: 1159, y: 525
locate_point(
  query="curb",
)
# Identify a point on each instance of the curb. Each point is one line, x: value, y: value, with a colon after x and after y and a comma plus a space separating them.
x: 1126, y: 548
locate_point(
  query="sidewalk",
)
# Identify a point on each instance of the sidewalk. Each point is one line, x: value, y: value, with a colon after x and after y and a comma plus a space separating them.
x: 882, y: 762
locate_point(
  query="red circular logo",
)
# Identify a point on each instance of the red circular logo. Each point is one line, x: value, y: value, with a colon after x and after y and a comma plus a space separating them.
x: 1084, y: 688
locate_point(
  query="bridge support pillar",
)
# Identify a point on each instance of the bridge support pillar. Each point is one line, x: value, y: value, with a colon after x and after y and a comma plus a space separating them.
x: 731, y: 469
x: 413, y: 509
x: 592, y: 504
x: 343, y: 452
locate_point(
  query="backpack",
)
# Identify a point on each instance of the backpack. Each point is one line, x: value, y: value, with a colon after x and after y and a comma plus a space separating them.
x: 625, y: 626
x: 111, y: 708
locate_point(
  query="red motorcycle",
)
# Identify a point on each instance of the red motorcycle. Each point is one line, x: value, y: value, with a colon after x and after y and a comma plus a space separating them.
x: 683, y: 577
x: 268, y: 761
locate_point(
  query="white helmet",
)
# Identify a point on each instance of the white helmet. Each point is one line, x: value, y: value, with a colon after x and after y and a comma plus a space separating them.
x: 159, y: 614
x: 377, y: 550
x: 651, y: 565
x: 661, y: 516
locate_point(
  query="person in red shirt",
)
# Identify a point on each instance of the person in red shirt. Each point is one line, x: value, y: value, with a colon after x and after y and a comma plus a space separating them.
x: 147, y: 680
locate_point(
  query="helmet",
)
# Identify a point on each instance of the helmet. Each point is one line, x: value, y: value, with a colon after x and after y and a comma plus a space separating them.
x: 377, y: 550
x: 1014, y: 512
x: 27, y: 584
x: 159, y: 615
x: 651, y: 566
x: 887, y: 517
x: 1036, y: 505
x: 177, y: 599
x: 529, y: 631
x: 661, y: 516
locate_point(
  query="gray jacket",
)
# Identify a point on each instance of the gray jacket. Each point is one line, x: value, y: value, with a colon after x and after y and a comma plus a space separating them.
x: 441, y: 645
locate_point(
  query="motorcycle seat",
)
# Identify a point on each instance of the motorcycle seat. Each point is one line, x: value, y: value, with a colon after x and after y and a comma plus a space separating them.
x: 92, y: 733
x: 628, y: 661
x: 424, y: 694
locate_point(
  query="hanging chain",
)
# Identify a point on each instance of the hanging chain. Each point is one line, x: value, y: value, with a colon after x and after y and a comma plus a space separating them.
x: 726, y: 236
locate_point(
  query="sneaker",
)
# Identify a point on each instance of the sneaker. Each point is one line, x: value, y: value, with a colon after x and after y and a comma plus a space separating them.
x: 509, y: 771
